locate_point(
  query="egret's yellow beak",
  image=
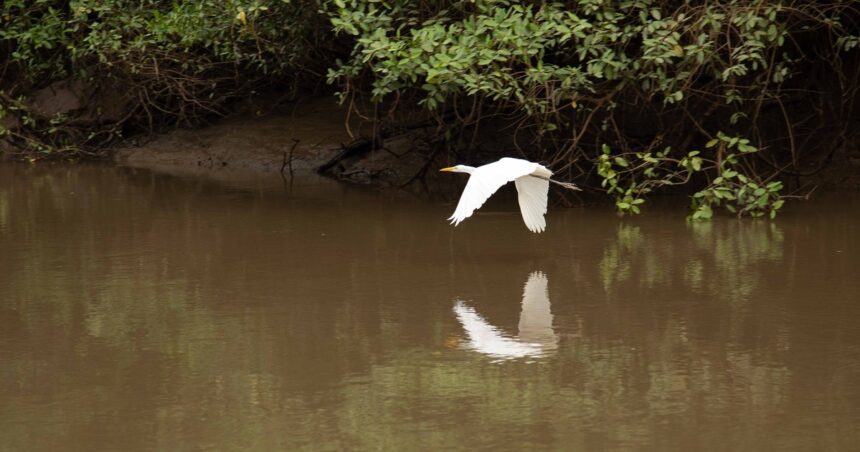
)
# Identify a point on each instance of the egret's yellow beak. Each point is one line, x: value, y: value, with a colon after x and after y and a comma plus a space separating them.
x: 449, y: 169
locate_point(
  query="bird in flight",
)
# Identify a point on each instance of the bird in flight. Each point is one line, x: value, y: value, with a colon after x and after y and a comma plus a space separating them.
x: 531, y: 179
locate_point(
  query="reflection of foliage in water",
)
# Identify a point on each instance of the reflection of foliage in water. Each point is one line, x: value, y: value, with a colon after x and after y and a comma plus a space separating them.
x: 611, y: 393
x: 119, y: 313
x: 613, y: 267
x: 723, y: 252
x: 714, y: 279
x: 140, y: 321
x: 4, y: 209
x: 733, y: 249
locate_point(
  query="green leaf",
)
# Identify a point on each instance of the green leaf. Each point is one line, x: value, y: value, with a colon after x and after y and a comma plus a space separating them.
x: 696, y: 163
x: 746, y: 148
x: 704, y: 212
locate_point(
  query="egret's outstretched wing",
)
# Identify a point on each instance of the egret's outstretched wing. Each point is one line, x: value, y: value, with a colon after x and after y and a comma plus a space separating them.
x: 485, y: 180
x: 532, y: 192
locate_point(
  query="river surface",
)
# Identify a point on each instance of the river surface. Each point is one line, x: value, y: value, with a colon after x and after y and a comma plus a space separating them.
x: 148, y: 312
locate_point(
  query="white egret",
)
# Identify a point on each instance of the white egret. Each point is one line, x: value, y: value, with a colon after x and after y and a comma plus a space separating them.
x: 531, y: 179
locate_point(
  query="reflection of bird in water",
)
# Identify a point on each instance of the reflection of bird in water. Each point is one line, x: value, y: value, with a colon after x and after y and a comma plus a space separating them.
x: 531, y: 179
x: 535, y: 317
x: 536, y: 336
x: 487, y: 339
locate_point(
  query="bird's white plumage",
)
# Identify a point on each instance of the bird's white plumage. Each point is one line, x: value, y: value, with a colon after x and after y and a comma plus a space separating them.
x: 532, y: 184
x: 531, y: 192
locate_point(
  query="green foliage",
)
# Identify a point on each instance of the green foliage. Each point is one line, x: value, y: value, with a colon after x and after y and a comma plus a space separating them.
x: 738, y: 193
x: 628, y: 177
x: 53, y: 41
x: 574, y: 71
x: 176, y: 61
x: 542, y: 57
x: 496, y: 52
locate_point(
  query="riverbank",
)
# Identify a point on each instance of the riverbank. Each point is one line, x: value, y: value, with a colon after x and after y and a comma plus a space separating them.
x: 256, y: 142
x: 319, y: 136
x: 309, y: 137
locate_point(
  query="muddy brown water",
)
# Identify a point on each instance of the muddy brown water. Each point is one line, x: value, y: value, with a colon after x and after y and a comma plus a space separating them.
x: 147, y: 312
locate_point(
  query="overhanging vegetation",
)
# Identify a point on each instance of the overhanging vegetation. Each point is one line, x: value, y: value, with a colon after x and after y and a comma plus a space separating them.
x: 727, y: 99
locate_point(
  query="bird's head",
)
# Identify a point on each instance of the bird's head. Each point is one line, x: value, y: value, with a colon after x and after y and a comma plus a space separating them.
x: 458, y: 169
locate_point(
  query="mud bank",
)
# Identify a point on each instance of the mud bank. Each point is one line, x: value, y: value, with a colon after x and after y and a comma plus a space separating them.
x: 315, y: 137
x: 257, y: 143
x: 312, y: 137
